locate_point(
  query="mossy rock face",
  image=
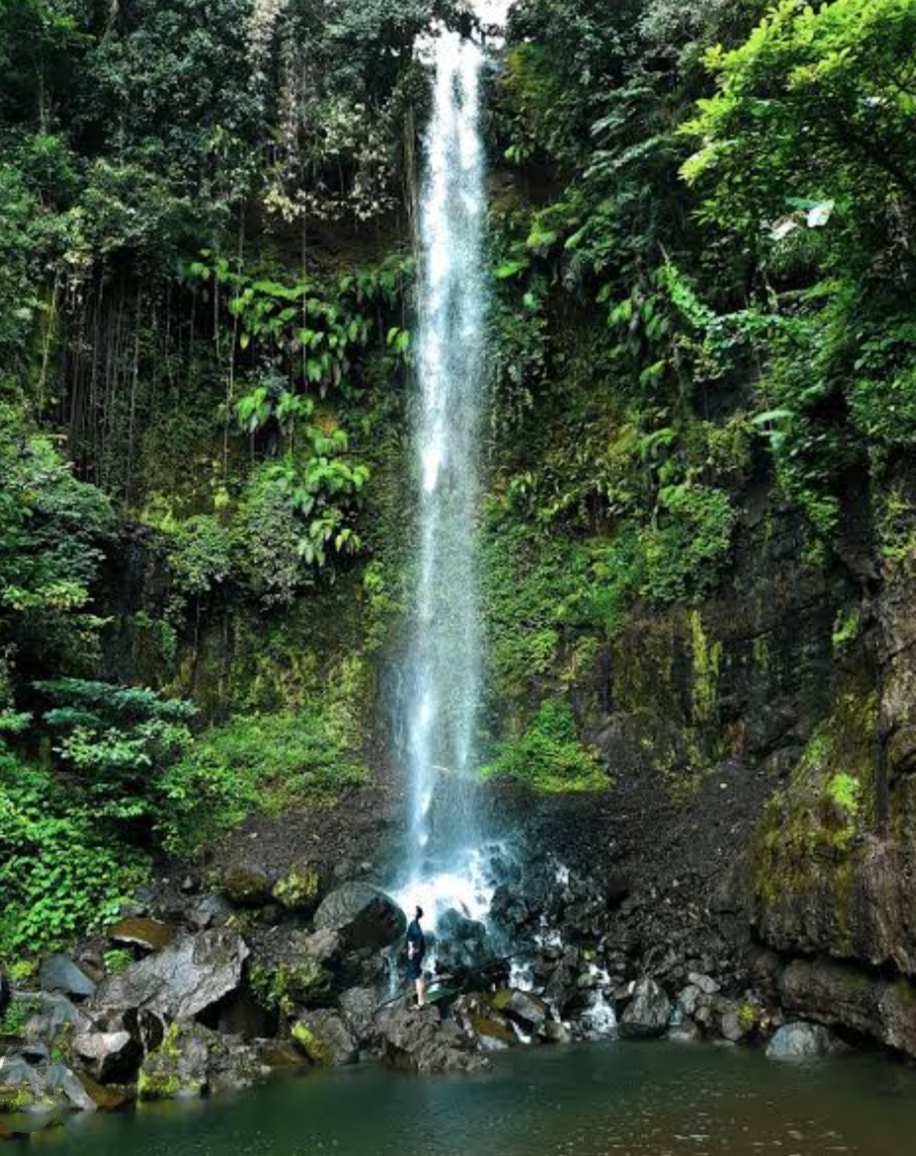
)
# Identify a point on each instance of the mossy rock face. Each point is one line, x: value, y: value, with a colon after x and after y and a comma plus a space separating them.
x: 324, y: 1037
x: 299, y: 890
x: 193, y: 1061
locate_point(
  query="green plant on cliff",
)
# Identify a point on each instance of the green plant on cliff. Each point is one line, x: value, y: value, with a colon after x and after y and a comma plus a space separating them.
x: 251, y: 764
x: 548, y: 756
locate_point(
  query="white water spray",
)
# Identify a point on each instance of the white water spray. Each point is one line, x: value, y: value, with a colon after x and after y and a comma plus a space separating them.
x: 442, y: 679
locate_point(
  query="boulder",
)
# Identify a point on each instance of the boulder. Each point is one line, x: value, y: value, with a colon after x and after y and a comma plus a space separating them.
x: 325, y: 1038
x: 554, y: 1032
x: 136, y: 931
x: 180, y: 982
x: 801, y: 1041
x: 54, y: 1016
x: 322, y: 946
x: 59, y: 973
x: 705, y: 983
x: 488, y: 1028
x: 835, y: 993
x: 362, y: 915
x: 247, y: 884
x: 358, y: 1005
x: 110, y: 1055
x: 461, y: 943
x: 686, y: 1032
x: 420, y: 1040
x: 529, y: 1011
x: 209, y: 911
x: 648, y: 1012
x: 300, y: 889
x: 194, y: 1061
x: 562, y: 987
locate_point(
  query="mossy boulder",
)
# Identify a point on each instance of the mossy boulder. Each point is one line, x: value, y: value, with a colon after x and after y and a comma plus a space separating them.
x: 246, y: 883
x: 324, y: 1037
x: 193, y: 1061
x: 299, y: 890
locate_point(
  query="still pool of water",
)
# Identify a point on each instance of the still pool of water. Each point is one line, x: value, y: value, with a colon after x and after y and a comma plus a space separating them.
x: 601, y: 1100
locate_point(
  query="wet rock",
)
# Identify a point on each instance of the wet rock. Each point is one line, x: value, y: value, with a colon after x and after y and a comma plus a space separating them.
x: 648, y: 1012
x: 322, y: 946
x: 278, y: 1054
x: 110, y: 1055
x: 27, y: 1087
x: 508, y: 910
x: 461, y: 943
x: 149, y: 934
x: 554, y: 1032
x: 842, y: 995
x: 194, y: 1061
x: 210, y: 911
x: 180, y: 982
x: 247, y: 884
x: 299, y: 890
x: 59, y: 973
x: 685, y: 1032
x: 489, y: 1029
x: 529, y: 1011
x: 800, y: 1041
x: 362, y: 915
x: 562, y: 988
x: 420, y: 1040
x: 688, y: 1000
x: 734, y: 1023
x: 325, y: 1038
x: 359, y: 1005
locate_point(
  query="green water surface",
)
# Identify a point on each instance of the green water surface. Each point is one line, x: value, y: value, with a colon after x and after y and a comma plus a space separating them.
x: 617, y: 1099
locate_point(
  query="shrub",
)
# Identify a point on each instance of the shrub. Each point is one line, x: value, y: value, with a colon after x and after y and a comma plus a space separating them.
x: 548, y: 756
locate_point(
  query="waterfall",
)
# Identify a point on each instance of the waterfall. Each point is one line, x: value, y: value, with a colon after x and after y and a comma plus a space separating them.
x: 442, y: 676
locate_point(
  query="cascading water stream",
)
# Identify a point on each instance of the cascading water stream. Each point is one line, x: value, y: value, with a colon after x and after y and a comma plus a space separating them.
x: 442, y: 679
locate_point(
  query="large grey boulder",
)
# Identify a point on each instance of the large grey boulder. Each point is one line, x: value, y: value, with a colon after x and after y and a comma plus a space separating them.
x: 180, y: 982
x: 421, y: 1041
x: 362, y: 915
x: 801, y: 1041
x: 323, y: 1036
x: 648, y: 1012
x: 59, y: 973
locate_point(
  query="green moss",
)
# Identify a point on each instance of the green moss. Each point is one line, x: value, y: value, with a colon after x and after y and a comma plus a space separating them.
x: 288, y: 983
x: 316, y: 1049
x: 298, y: 890
x: 707, y: 657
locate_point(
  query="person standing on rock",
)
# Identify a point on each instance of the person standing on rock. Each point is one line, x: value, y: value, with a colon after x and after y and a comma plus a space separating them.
x: 416, y: 949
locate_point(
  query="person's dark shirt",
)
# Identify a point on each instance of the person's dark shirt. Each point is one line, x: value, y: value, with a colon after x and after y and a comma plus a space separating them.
x: 416, y: 939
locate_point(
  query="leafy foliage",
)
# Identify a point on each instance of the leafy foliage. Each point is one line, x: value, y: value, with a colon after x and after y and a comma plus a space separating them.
x: 548, y: 756
x: 253, y: 763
